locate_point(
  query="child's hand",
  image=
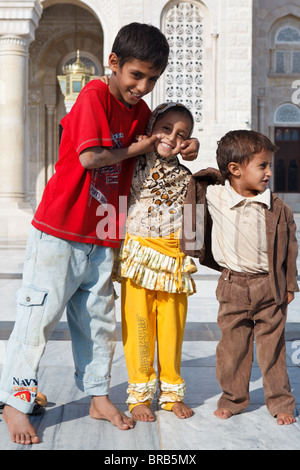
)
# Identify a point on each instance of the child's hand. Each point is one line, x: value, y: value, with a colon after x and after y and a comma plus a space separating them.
x: 144, y: 144
x: 189, y: 149
x: 104, y: 79
x: 139, y: 138
x: 289, y: 296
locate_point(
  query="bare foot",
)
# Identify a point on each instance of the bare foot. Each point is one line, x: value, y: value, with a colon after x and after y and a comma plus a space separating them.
x: 19, y: 426
x: 142, y: 413
x: 182, y: 411
x: 102, y: 408
x: 285, y: 418
x: 223, y: 413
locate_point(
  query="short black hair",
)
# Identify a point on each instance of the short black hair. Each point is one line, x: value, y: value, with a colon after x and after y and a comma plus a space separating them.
x: 143, y: 42
x: 240, y: 146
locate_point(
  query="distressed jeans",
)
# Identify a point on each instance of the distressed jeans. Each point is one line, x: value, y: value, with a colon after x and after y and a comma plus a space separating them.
x: 61, y: 274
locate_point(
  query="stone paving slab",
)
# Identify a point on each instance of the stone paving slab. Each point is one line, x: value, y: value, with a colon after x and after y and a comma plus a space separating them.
x: 66, y: 424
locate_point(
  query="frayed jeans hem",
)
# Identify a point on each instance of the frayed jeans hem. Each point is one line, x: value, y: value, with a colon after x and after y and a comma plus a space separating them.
x: 99, y: 388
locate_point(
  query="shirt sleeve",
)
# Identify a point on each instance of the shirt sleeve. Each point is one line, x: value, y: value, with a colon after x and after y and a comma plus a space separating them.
x: 87, y: 122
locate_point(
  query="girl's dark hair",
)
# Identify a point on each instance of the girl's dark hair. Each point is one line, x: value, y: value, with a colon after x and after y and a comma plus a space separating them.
x: 240, y: 147
x: 143, y: 42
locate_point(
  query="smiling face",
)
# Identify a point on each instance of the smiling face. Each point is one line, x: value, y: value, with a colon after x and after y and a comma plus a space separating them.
x: 252, y: 177
x: 174, y: 127
x: 132, y: 81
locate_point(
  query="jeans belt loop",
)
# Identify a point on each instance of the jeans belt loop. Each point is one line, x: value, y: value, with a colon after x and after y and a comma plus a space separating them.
x: 228, y: 277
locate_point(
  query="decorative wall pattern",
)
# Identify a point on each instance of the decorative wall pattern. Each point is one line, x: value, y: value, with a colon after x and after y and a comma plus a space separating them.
x: 184, y: 74
x: 287, y: 113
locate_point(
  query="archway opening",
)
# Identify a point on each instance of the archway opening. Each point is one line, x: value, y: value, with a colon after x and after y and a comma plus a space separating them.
x: 287, y: 158
x: 63, y: 29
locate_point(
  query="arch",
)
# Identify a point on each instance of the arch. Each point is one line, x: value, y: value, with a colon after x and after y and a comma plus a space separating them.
x: 64, y: 29
x: 103, y: 11
x: 85, y: 56
x: 56, y: 40
x: 284, y: 45
x: 287, y: 34
x: 279, y: 15
x: 287, y: 113
x: 278, y: 25
x: 62, y: 47
x: 80, y: 3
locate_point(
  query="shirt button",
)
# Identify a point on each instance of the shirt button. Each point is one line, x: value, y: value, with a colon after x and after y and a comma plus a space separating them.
x: 28, y: 299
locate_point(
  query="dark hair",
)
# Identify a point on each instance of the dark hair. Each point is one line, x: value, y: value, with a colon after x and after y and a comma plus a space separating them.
x: 143, y: 42
x: 240, y: 147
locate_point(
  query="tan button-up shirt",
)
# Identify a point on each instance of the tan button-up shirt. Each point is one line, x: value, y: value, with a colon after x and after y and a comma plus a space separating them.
x: 239, y: 228
x: 282, y: 246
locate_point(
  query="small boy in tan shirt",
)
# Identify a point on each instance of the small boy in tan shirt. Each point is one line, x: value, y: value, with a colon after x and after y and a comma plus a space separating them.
x: 249, y: 235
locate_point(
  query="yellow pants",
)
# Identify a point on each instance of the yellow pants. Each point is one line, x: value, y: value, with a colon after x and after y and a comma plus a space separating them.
x: 148, y: 314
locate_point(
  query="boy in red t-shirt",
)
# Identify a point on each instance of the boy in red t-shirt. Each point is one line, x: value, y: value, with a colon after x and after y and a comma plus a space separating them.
x: 69, y: 255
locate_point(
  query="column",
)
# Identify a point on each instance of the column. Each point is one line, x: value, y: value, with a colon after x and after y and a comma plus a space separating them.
x: 18, y: 21
x: 49, y: 164
x: 13, y: 80
x: 261, y: 105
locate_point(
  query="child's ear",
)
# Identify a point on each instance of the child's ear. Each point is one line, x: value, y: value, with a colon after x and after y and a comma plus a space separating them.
x: 234, y: 168
x: 113, y: 62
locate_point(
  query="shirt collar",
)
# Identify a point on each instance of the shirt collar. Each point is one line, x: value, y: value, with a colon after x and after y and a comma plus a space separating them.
x: 234, y: 198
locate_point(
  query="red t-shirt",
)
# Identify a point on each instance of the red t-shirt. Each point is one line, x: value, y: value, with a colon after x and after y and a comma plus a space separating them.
x: 85, y: 205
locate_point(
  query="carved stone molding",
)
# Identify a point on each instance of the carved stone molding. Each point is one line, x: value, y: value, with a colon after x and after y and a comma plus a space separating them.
x: 13, y: 40
x: 10, y: 44
x: 20, y: 18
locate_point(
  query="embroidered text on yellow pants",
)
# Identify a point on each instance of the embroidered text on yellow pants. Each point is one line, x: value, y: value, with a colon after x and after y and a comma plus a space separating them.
x: 148, y: 314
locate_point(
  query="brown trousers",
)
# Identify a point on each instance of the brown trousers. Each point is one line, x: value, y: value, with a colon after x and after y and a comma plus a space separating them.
x: 247, y: 309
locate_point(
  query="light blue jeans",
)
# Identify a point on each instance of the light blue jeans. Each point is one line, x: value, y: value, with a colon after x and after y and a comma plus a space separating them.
x: 57, y: 274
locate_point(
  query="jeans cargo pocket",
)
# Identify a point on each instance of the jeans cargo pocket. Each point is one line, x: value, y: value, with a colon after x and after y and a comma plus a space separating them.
x: 31, y: 305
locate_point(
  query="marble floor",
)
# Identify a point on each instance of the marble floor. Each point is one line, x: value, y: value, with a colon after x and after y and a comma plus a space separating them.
x: 66, y: 424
